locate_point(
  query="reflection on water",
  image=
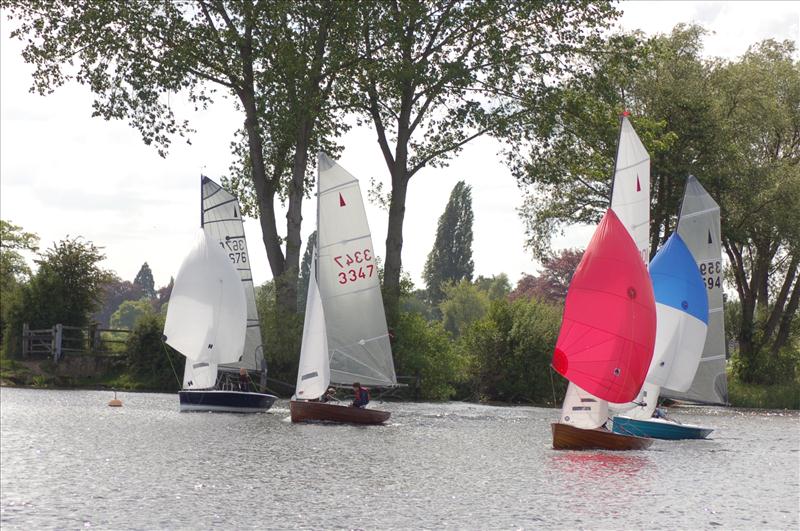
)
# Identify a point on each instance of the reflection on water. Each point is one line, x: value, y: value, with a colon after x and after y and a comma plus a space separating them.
x: 70, y: 461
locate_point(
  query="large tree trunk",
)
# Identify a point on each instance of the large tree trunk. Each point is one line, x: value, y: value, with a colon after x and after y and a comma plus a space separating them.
x: 394, y: 245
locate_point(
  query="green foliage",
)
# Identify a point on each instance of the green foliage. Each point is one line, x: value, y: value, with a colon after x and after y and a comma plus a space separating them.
x: 66, y: 289
x: 14, y: 271
x: 152, y: 363
x: 775, y: 396
x: 510, y: 352
x: 450, y: 260
x: 282, y: 334
x: 144, y: 280
x: 765, y: 368
x: 496, y: 287
x: 464, y: 303
x: 424, y: 349
x: 129, y: 313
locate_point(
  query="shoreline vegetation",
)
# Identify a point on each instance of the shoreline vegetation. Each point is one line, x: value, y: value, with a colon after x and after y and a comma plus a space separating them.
x: 44, y: 374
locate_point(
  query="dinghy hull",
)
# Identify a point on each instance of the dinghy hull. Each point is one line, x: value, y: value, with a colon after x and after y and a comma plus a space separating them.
x: 566, y: 437
x: 304, y: 411
x: 225, y: 401
x: 659, y: 429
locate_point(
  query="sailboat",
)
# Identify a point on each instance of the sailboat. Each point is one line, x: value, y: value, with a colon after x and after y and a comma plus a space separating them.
x: 699, y: 226
x: 583, y: 411
x: 682, y: 313
x: 212, y: 317
x: 345, y: 338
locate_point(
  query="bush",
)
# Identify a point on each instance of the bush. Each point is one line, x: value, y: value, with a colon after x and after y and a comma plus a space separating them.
x: 510, y: 352
x: 151, y: 362
x: 423, y: 348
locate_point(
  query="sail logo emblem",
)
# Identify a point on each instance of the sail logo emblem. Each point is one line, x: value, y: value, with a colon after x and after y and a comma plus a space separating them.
x: 710, y: 241
x: 234, y: 213
x: 341, y: 200
x: 638, y: 185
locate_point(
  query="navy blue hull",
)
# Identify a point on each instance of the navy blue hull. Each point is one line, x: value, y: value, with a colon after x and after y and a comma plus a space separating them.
x: 659, y: 429
x: 228, y: 401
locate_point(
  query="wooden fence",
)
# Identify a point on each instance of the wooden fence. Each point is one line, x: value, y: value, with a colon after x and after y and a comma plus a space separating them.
x: 61, y: 339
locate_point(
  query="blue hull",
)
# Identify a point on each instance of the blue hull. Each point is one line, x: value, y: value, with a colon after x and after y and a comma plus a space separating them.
x: 225, y: 401
x: 659, y: 429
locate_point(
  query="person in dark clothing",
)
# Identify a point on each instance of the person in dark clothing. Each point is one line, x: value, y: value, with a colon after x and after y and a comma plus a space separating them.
x: 361, y: 398
x: 244, y: 380
x: 330, y: 395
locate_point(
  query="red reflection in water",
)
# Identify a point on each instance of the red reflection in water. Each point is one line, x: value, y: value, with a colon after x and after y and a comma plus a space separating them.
x: 599, y: 464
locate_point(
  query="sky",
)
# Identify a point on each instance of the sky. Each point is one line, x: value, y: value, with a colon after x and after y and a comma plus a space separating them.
x: 66, y: 174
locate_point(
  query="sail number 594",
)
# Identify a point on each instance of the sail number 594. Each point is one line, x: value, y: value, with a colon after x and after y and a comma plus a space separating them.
x: 354, y: 266
x: 712, y: 274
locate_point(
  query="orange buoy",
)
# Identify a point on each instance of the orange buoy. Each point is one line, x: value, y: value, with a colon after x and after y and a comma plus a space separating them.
x: 114, y: 402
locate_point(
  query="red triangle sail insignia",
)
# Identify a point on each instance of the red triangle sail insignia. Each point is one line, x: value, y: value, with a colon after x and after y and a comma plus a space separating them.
x: 638, y: 186
x: 341, y: 200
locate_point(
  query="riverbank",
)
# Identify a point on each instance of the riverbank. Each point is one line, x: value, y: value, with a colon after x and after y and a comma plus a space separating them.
x: 93, y: 373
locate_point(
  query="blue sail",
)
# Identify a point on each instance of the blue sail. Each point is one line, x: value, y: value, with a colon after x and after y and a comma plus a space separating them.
x: 677, y: 281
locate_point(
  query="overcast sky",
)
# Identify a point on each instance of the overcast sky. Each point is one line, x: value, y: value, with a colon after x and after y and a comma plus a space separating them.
x: 63, y: 173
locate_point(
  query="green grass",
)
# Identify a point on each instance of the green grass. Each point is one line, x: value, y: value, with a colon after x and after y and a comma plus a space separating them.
x: 778, y: 396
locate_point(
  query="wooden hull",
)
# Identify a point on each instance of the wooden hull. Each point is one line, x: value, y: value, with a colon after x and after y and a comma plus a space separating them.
x: 659, y: 429
x: 566, y: 437
x: 225, y: 401
x: 303, y: 411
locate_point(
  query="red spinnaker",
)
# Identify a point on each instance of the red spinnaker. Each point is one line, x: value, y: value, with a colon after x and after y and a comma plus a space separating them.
x: 609, y: 326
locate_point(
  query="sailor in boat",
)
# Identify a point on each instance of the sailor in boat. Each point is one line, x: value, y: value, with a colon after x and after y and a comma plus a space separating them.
x: 329, y: 396
x: 244, y: 380
x: 361, y: 398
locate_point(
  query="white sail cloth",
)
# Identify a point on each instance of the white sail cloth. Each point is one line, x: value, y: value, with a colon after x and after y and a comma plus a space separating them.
x: 313, y: 372
x: 207, y: 313
x: 222, y: 222
x: 583, y: 410
x: 348, y: 283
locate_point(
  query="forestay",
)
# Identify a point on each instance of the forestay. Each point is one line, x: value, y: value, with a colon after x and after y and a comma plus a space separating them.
x: 222, y: 221
x: 206, y: 313
x: 348, y: 283
x: 313, y: 372
x: 699, y: 227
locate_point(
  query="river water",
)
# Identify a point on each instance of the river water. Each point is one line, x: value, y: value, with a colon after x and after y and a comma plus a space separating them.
x: 69, y: 461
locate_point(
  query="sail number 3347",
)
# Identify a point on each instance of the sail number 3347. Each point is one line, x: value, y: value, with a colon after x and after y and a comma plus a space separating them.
x: 712, y: 274
x: 354, y: 266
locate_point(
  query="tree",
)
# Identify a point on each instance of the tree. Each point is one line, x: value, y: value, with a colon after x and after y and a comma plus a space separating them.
x: 437, y: 74
x: 13, y: 268
x: 67, y: 288
x: 129, y: 313
x: 14, y: 241
x: 496, y: 287
x: 144, y: 280
x: 450, y: 260
x: 305, y: 272
x: 463, y: 304
x: 115, y: 292
x: 759, y: 109
x: 152, y: 362
x: 552, y: 284
x: 279, y: 62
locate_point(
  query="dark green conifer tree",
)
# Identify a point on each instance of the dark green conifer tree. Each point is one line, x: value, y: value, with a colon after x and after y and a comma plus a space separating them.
x: 450, y: 260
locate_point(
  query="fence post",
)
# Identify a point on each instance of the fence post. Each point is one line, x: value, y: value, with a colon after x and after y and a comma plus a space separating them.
x: 92, y: 336
x: 58, y: 332
x: 25, y: 340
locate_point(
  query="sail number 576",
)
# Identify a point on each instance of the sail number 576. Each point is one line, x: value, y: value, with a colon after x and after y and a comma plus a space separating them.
x: 352, y: 271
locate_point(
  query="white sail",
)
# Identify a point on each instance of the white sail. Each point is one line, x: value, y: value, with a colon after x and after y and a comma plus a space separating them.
x: 207, y: 312
x: 222, y: 220
x: 645, y: 404
x: 313, y: 372
x: 348, y: 282
x: 699, y: 226
x: 582, y: 410
x: 630, y: 193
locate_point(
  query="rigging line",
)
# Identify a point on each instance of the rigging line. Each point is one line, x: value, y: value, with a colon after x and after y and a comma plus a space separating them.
x: 552, y: 386
x: 166, y: 353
